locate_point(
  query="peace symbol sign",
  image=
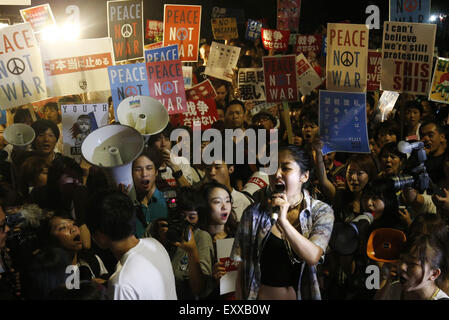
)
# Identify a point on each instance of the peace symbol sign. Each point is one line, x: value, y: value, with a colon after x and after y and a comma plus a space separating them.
x: 127, y: 30
x: 410, y: 5
x: 131, y: 91
x: 182, y: 34
x: 347, y: 59
x: 16, y: 66
x: 167, y: 87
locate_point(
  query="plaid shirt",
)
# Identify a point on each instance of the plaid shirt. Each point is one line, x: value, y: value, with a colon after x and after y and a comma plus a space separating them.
x: 316, y: 222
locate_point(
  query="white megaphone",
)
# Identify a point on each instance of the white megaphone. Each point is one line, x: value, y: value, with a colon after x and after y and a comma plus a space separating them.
x: 19, y: 135
x: 114, y: 148
x: 145, y: 114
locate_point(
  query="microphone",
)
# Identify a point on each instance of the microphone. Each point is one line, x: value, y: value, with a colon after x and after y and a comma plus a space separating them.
x: 278, y: 188
x: 406, y: 147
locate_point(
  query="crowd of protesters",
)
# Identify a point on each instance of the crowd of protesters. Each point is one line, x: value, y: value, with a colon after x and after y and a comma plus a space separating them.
x: 56, y: 212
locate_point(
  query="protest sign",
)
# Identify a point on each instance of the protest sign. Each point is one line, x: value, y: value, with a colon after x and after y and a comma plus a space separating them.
x: 162, y: 54
x: 21, y: 72
x: 218, y: 12
x: 347, y: 57
x: 288, y: 15
x: 386, y: 103
x: 39, y: 17
x: 307, y: 78
x: 187, y: 73
x: 200, y: 113
x: 182, y: 24
x: 77, y: 66
x: 253, y: 30
x: 127, y: 80
x: 308, y: 43
x: 407, y: 57
x: 251, y: 84
x: 440, y: 84
x: 417, y: 11
x: 78, y: 120
x: 280, y: 78
x: 125, y: 27
x: 224, y: 28
x: 262, y: 105
x: 222, y: 60
x: 152, y: 46
x: 202, y: 91
x: 154, y: 30
x: 374, y: 71
x: 166, y: 83
x: 227, y: 282
x: 342, y: 122
x: 275, y: 39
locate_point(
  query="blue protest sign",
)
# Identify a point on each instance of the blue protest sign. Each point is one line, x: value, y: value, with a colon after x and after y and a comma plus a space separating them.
x: 417, y: 11
x: 342, y: 122
x: 253, y: 30
x: 324, y: 47
x: 162, y: 54
x: 127, y: 80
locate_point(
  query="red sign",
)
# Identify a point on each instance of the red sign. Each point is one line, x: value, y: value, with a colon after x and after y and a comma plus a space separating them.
x: 199, y: 113
x: 77, y: 64
x: 229, y: 264
x: 202, y: 91
x: 154, y: 30
x: 275, y: 39
x: 374, y: 70
x: 288, y: 15
x: 166, y: 84
x: 308, y: 43
x: 280, y: 78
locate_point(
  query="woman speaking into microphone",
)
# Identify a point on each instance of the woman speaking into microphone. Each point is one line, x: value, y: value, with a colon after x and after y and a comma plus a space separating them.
x: 278, y: 257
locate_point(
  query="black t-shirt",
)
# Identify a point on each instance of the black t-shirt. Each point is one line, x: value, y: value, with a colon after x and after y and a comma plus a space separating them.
x: 434, y: 167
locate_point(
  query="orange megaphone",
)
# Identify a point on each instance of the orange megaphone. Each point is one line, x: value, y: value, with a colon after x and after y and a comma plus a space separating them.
x: 385, y: 244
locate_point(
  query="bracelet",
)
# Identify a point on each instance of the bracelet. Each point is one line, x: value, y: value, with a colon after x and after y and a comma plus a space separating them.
x: 177, y: 174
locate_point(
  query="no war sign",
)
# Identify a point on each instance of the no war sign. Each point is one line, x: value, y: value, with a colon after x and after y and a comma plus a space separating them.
x: 21, y: 73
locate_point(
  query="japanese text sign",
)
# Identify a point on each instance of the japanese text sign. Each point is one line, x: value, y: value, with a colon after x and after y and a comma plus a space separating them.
x: 154, y: 30
x: 125, y: 27
x: 200, y: 113
x: 440, y: 84
x: 342, y: 122
x: 202, y: 91
x: 407, y: 57
x: 253, y: 30
x: 280, y: 78
x: 275, y: 39
x: 288, y: 15
x: 182, y: 25
x: 251, y: 84
x: 222, y: 60
x: 39, y: 17
x: 386, y: 103
x: 308, y: 43
x: 307, y: 78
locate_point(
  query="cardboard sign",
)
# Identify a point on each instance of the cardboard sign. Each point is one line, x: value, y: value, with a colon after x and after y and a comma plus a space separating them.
x: 125, y: 27
x: 78, y: 120
x: 275, y: 39
x: 440, y: 84
x: 288, y: 15
x: 386, y: 103
x: 222, y: 60
x: 224, y: 28
x: 77, y: 66
x: 407, y: 57
x: 280, y: 78
x: 307, y: 78
x: 182, y: 26
x: 308, y: 43
x: 200, y: 113
x: 162, y: 54
x: 202, y: 91
x: 253, y: 30
x: 187, y: 73
x: 39, y: 17
x: 218, y: 12
x: 417, y: 11
x: 127, y: 80
x: 374, y: 71
x: 347, y: 57
x: 342, y: 122
x: 251, y: 83
x: 21, y: 72
x: 166, y: 84
x: 154, y: 30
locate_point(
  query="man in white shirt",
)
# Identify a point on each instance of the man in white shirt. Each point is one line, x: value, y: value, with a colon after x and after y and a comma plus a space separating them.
x: 144, y: 270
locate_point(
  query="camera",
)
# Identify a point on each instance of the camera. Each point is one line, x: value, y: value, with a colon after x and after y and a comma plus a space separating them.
x: 178, y: 229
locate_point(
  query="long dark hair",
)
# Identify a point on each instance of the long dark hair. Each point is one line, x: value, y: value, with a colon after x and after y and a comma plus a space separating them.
x: 303, y: 158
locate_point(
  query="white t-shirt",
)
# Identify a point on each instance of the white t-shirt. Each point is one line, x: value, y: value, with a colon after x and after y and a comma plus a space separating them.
x: 143, y: 273
x: 239, y: 203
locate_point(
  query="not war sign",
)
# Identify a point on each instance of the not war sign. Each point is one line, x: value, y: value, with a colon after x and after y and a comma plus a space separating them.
x: 224, y: 28
x: 21, y: 73
x: 166, y: 83
x: 182, y: 26
x: 407, y: 57
x: 162, y: 54
x: 127, y: 80
x: 417, y: 11
x: 280, y: 78
x: 440, y: 84
x: 374, y: 70
x: 347, y: 56
x: 125, y: 27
